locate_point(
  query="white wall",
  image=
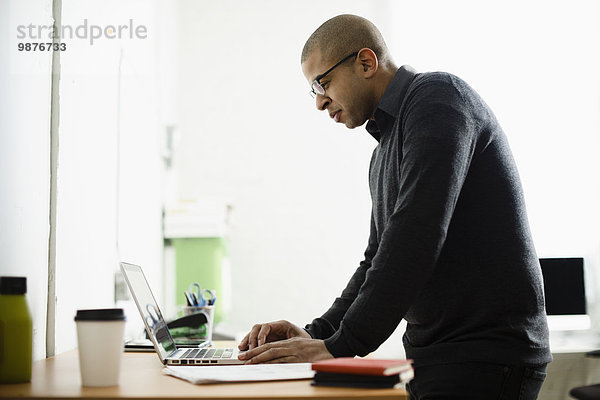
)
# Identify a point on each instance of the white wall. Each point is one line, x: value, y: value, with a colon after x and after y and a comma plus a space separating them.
x: 299, y: 184
x: 536, y: 64
x: 25, y: 160
x: 109, y: 174
x: 250, y: 133
x: 109, y: 202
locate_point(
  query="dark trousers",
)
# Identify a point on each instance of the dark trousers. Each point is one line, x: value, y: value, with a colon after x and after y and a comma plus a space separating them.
x: 478, y: 381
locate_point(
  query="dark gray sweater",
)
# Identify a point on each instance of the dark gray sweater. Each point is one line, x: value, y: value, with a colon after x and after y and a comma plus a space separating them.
x: 450, y: 249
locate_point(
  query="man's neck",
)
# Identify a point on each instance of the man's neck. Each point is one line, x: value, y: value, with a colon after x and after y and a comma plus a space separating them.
x: 387, y: 74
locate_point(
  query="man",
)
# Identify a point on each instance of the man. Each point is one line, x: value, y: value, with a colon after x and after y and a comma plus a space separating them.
x: 450, y: 249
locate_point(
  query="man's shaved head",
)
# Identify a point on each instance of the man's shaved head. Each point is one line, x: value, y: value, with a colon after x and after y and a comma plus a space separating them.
x: 349, y: 94
x: 344, y: 34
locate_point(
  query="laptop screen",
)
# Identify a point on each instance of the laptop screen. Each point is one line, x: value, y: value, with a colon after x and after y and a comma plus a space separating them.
x: 153, y: 319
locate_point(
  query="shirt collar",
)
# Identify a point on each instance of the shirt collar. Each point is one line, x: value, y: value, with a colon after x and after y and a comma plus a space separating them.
x: 391, y: 101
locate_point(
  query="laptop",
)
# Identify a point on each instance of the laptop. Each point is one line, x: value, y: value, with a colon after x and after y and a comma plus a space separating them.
x: 159, y: 334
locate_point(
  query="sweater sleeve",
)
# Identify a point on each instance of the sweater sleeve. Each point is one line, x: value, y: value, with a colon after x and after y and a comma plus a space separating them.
x: 437, y: 144
x: 326, y: 325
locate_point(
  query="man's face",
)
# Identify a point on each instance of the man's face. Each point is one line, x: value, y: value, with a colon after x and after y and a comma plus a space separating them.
x: 344, y: 97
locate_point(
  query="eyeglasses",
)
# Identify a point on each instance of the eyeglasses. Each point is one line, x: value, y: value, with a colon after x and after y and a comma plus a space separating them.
x: 316, y: 88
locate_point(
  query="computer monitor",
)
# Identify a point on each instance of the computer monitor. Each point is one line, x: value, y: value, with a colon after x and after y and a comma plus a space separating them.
x: 564, y: 288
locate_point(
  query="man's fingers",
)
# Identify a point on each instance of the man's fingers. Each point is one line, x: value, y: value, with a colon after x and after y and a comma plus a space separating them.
x: 253, y: 339
x: 290, y: 350
x: 248, y: 355
x: 244, y: 343
x: 263, y: 333
x: 268, y: 355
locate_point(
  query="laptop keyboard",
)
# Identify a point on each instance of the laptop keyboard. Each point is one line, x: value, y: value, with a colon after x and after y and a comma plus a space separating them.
x: 208, y: 353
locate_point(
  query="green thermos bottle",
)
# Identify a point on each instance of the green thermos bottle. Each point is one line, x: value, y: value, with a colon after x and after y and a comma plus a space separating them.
x: 15, y: 331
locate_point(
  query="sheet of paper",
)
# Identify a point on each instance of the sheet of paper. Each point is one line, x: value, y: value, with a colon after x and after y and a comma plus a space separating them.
x: 241, y: 373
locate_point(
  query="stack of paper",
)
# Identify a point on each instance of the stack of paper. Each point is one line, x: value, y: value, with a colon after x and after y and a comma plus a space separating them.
x: 241, y: 373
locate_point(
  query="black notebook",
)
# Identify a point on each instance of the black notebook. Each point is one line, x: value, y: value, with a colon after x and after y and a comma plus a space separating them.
x: 361, y: 381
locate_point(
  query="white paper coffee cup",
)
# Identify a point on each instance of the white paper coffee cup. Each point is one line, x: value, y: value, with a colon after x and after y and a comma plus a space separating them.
x: 100, y: 341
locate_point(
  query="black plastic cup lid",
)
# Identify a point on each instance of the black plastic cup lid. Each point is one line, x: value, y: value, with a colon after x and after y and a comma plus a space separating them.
x: 101, y: 314
x: 13, y: 285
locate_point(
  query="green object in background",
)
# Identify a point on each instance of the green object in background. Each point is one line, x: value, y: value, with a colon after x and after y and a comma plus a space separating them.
x: 199, y: 260
x: 198, y: 332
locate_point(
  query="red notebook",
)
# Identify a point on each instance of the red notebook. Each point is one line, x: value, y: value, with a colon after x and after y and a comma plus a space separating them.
x: 362, y: 366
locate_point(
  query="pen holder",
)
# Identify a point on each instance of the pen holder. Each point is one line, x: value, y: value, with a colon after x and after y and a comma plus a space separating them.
x: 199, y: 333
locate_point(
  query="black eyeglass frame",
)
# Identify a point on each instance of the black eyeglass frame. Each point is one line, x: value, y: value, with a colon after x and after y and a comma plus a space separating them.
x: 316, y: 88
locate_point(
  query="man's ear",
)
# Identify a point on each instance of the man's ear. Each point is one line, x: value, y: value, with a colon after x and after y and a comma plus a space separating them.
x: 367, y: 61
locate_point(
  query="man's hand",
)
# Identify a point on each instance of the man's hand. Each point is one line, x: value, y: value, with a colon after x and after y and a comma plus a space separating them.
x: 294, y: 350
x: 271, y: 332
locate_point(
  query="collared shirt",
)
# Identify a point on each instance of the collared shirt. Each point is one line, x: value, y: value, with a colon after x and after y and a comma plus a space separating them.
x: 389, y: 105
x: 450, y: 249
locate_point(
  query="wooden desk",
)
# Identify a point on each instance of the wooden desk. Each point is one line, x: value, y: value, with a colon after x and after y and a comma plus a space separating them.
x: 141, y: 378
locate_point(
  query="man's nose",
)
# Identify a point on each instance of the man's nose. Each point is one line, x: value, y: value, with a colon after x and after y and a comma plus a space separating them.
x: 322, y: 102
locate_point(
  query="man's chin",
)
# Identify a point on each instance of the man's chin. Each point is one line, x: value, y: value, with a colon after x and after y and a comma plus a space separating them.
x: 351, y: 124
x: 350, y: 120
